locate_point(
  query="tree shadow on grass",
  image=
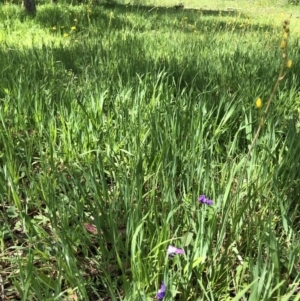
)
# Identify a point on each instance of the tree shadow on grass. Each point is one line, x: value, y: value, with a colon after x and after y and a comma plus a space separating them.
x: 145, y: 18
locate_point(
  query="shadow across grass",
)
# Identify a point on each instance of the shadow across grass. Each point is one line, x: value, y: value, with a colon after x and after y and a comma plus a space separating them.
x: 144, y: 18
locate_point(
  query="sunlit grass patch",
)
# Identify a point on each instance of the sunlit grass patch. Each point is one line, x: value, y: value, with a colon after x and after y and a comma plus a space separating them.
x: 124, y: 133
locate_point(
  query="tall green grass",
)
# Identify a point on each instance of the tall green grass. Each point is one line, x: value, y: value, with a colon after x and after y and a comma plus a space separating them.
x: 111, y: 131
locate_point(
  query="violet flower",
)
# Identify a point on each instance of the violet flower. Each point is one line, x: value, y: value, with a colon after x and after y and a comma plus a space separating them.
x: 161, y: 292
x: 173, y: 251
x: 202, y: 199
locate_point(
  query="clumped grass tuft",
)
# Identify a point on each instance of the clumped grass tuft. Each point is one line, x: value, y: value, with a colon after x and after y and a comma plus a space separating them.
x: 113, y: 121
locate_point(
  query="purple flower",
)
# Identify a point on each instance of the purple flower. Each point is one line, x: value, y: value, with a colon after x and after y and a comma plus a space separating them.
x: 173, y: 251
x: 202, y: 199
x: 161, y: 292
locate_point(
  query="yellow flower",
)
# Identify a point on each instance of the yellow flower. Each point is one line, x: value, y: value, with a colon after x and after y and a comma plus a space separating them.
x: 73, y: 28
x: 258, y: 103
x: 285, y: 36
x: 289, y: 63
x: 54, y: 28
x: 65, y: 35
x: 283, y: 44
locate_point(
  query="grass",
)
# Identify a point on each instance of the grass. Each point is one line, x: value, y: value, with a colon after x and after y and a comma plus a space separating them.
x: 114, y: 119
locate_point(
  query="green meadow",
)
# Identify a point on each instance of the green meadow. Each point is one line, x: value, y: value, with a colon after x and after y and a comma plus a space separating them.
x: 116, y: 117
